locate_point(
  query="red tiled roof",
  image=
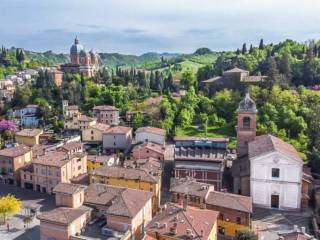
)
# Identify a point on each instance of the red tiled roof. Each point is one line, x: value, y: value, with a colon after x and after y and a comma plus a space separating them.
x: 229, y: 200
x: 118, y: 130
x: 236, y: 70
x: 125, y: 173
x: 190, y: 187
x: 63, y: 215
x: 29, y: 132
x: 53, y: 158
x: 71, y: 145
x: 68, y: 188
x: 121, y: 201
x: 85, y: 118
x: 199, y: 221
x: 105, y: 108
x: 153, y: 130
x: 100, y: 126
x: 151, y: 146
x: 15, y: 151
x: 267, y: 143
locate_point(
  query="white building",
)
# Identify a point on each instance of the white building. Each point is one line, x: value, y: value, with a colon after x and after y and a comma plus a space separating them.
x: 28, y: 115
x: 151, y: 134
x: 117, y: 138
x: 275, y: 173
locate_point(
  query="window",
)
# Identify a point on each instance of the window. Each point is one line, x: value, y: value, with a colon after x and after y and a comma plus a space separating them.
x: 238, y: 220
x: 91, y: 132
x: 275, y: 172
x: 79, y: 167
x: 246, y: 122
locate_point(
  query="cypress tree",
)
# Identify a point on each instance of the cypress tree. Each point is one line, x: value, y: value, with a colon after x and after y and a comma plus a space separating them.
x: 251, y: 49
x: 261, y: 46
x: 244, y: 48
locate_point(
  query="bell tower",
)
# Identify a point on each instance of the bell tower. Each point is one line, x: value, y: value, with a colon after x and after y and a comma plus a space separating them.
x: 247, y: 124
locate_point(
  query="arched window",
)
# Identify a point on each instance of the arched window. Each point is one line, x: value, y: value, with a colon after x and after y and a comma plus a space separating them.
x: 246, y: 122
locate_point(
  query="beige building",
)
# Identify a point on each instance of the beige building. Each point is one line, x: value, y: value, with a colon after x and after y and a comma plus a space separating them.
x: 136, y: 178
x: 12, y: 160
x: 106, y: 114
x: 79, y: 122
x: 117, y: 138
x: 62, y: 223
x: 69, y: 195
x: 94, y: 133
x: 125, y: 209
x: 29, y: 137
x: 52, y: 168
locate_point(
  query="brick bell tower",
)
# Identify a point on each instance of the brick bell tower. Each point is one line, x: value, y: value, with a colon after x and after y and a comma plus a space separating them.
x: 247, y: 123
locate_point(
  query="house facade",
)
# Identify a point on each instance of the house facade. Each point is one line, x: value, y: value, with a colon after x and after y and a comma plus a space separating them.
x: 151, y: 134
x: 52, y: 168
x: 94, y: 134
x: 117, y: 138
x: 106, y: 114
x: 29, y: 137
x: 12, y: 160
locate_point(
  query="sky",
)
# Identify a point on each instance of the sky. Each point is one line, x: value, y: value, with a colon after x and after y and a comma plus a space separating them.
x: 139, y: 26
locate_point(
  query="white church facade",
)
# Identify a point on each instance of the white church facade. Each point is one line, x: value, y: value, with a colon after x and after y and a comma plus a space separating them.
x: 267, y: 168
x: 276, y: 173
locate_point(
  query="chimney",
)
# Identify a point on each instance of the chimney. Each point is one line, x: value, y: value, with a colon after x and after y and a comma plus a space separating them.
x: 303, y: 230
x: 295, y: 228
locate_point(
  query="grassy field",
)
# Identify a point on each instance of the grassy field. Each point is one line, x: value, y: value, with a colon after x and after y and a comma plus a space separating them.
x: 213, y: 132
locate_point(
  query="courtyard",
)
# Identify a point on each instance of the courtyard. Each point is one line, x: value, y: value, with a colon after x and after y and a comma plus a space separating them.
x: 30, y: 200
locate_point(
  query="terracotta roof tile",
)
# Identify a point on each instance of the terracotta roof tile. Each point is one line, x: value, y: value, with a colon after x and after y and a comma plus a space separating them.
x: 120, y: 201
x: 229, y: 200
x: 63, y: 215
x: 199, y: 221
x: 154, y: 130
x: 105, y: 108
x: 68, y: 188
x: 126, y: 173
x: 267, y: 143
x: 151, y: 146
x: 190, y: 187
x: 29, y: 132
x: 15, y: 151
x: 118, y: 130
x: 100, y: 126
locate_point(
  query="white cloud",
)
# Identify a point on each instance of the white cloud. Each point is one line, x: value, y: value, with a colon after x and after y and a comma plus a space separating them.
x: 172, y: 25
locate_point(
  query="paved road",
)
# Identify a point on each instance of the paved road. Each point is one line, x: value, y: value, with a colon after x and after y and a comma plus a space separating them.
x: 42, y: 202
x: 268, y: 223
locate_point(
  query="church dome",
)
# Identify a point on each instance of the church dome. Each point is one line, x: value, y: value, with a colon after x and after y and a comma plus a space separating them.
x: 83, y: 53
x: 76, y: 47
x: 247, y: 105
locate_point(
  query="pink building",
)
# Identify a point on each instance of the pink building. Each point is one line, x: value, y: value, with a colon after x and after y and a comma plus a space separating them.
x: 147, y: 150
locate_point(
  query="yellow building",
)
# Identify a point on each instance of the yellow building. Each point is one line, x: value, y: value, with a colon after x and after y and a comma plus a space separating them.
x: 182, y: 222
x: 94, y: 133
x: 29, y: 137
x: 94, y: 162
x: 130, y: 178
